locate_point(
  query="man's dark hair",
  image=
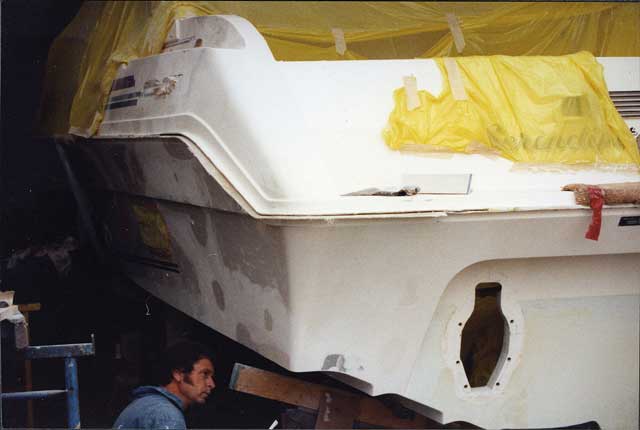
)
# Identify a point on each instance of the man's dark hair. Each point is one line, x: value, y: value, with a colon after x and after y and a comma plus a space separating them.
x: 181, y: 356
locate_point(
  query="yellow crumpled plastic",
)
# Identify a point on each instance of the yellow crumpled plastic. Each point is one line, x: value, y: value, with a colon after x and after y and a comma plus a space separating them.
x: 84, y: 59
x: 527, y: 109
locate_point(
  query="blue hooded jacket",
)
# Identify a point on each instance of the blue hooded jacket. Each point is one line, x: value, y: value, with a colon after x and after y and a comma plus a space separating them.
x: 152, y: 408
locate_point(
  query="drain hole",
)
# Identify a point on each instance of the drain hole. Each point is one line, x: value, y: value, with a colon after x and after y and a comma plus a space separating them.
x: 483, y: 335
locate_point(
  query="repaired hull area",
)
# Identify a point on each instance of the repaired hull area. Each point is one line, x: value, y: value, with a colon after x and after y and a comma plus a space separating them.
x: 382, y: 302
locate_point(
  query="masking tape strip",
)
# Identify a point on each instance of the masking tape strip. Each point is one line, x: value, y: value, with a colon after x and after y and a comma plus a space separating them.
x: 456, y: 32
x: 411, y: 90
x: 338, y: 37
x: 455, y: 80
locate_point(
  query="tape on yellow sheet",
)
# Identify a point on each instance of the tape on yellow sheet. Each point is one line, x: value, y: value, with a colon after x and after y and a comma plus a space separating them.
x: 456, y: 32
x: 455, y: 80
x: 411, y: 89
x: 338, y: 37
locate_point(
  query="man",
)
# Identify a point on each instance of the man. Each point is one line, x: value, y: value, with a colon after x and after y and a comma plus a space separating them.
x: 187, y: 379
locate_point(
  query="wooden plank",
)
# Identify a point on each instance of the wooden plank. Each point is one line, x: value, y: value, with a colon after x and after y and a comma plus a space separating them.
x: 373, y: 409
x: 289, y: 390
x: 262, y: 383
x: 29, y: 307
x: 337, y: 411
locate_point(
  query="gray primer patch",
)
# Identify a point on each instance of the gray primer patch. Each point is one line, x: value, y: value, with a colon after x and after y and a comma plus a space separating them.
x: 218, y: 197
x: 127, y: 167
x: 178, y: 150
x: 254, y: 249
x: 98, y: 174
x: 189, y: 275
x: 114, y: 158
x: 218, y: 294
x: 243, y: 335
x: 199, y: 225
x: 268, y: 320
x: 334, y: 362
x: 135, y: 169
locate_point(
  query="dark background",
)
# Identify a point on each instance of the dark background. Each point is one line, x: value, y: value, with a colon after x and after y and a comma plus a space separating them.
x: 36, y: 204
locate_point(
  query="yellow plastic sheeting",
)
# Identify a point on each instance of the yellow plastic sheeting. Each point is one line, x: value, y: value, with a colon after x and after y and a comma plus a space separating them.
x: 527, y: 109
x: 84, y: 59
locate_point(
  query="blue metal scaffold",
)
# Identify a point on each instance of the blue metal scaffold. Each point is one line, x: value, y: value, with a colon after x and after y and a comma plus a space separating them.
x: 69, y: 352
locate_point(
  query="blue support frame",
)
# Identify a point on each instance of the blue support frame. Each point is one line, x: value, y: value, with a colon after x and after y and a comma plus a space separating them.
x: 71, y: 384
x: 32, y: 395
x: 68, y: 352
x: 59, y: 351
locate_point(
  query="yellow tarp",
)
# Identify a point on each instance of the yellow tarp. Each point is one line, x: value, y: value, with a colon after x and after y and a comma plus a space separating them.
x: 527, y: 109
x: 84, y: 59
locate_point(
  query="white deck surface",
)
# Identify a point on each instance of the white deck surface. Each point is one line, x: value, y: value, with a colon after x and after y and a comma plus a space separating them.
x: 387, y: 296
x: 294, y: 137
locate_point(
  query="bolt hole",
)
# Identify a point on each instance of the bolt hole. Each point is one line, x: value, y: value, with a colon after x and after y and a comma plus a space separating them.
x: 497, y: 383
x: 508, y: 358
x: 460, y: 324
x: 457, y: 361
x: 511, y: 321
x: 466, y: 386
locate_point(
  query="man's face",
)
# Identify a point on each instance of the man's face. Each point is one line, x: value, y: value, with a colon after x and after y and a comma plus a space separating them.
x: 196, y: 385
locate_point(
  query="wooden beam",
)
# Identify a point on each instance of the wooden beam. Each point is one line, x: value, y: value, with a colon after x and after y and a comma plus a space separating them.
x: 337, y: 411
x: 345, y: 405
x: 29, y: 307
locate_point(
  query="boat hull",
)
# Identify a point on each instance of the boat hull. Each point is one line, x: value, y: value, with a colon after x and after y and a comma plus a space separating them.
x: 381, y: 302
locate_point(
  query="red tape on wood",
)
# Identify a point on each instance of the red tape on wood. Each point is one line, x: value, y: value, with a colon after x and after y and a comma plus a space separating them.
x: 596, y: 201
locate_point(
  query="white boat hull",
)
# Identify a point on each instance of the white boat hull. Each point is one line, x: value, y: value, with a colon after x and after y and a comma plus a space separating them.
x: 381, y: 301
x: 225, y: 183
